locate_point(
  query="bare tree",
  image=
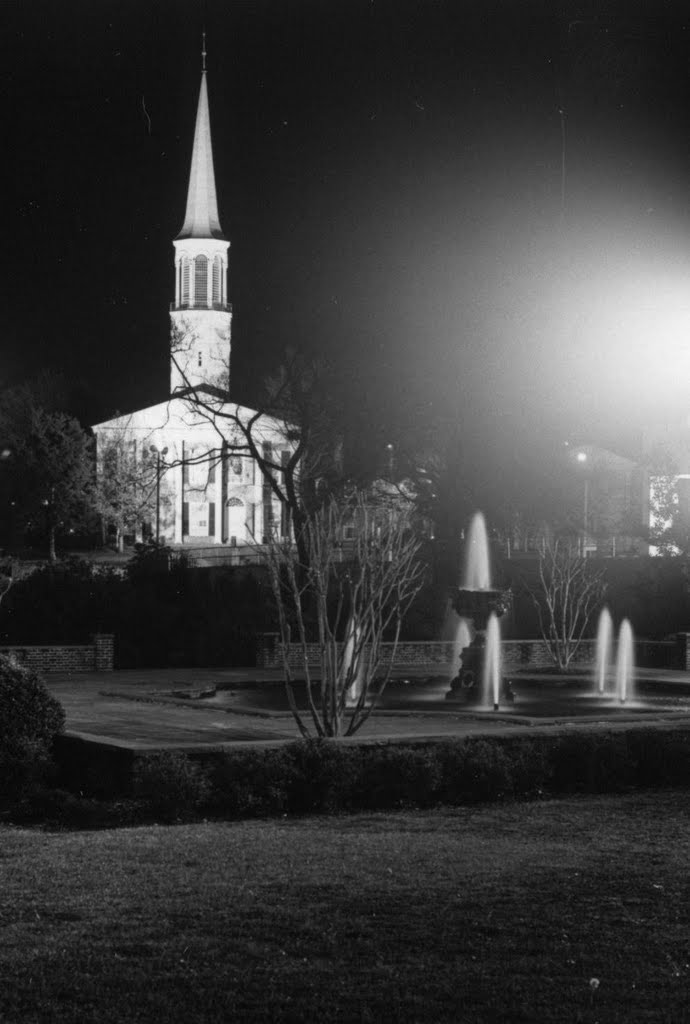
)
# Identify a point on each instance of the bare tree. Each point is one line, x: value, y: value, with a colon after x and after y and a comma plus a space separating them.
x: 6, y: 578
x: 340, y: 603
x: 127, y: 484
x: 567, y: 591
x: 290, y: 437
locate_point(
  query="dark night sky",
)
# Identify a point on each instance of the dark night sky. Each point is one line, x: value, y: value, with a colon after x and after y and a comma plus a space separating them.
x: 389, y: 174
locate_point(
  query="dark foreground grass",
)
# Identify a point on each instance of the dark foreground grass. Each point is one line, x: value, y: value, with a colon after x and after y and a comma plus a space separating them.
x: 488, y: 914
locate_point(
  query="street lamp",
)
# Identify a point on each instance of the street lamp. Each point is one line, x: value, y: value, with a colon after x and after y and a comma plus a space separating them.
x: 6, y: 454
x: 582, y: 459
x: 159, y: 455
x: 391, y: 459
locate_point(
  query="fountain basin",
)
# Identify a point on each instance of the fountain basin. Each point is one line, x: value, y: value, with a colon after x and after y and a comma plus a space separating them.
x: 478, y: 605
x: 540, y: 700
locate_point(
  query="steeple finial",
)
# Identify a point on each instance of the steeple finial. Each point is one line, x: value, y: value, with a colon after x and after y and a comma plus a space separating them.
x: 203, y: 52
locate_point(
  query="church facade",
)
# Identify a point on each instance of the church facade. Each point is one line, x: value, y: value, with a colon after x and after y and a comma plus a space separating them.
x: 210, y: 490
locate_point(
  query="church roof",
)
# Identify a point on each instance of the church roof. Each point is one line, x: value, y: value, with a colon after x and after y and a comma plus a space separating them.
x: 201, y: 217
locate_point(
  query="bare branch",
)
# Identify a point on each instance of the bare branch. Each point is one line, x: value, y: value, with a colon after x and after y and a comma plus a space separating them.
x: 344, y: 602
x: 567, y: 593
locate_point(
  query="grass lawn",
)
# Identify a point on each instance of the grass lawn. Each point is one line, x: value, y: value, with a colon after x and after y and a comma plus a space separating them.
x: 466, y: 915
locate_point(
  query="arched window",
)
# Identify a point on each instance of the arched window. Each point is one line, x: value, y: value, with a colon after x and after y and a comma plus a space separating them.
x: 201, y: 281
x: 217, y: 272
x: 184, y: 281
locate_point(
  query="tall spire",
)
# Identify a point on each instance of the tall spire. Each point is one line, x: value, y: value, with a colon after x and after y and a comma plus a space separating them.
x: 201, y: 216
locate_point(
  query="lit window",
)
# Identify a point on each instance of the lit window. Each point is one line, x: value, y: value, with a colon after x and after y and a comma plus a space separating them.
x: 184, y: 282
x: 201, y: 281
x: 217, y: 267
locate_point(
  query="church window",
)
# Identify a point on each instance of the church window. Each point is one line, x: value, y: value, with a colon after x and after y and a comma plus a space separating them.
x: 201, y: 281
x: 217, y: 268
x: 184, y: 281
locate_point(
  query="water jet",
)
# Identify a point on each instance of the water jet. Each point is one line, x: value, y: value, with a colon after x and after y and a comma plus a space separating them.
x: 625, y: 661
x: 603, y: 649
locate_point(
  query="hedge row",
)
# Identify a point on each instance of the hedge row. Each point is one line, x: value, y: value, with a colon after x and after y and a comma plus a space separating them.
x: 327, y: 777
x: 320, y: 777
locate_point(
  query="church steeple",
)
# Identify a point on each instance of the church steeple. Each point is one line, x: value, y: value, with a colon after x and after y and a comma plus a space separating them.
x: 201, y: 216
x: 201, y: 316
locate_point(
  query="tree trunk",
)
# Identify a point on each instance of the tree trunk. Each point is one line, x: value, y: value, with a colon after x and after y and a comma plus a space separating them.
x: 52, y: 554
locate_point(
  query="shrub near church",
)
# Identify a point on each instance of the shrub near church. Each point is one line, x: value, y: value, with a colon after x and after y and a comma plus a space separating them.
x: 30, y: 718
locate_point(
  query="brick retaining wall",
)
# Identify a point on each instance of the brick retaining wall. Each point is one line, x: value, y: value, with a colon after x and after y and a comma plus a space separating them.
x: 96, y: 656
x: 517, y: 654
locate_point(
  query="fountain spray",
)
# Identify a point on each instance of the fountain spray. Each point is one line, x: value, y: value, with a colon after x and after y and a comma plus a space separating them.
x: 492, y: 661
x: 624, y: 661
x: 603, y: 649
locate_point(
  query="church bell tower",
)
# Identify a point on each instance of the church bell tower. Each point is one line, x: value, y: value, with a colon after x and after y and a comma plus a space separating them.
x: 201, y: 316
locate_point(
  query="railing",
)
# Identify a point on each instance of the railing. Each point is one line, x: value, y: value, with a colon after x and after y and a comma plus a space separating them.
x: 223, y: 306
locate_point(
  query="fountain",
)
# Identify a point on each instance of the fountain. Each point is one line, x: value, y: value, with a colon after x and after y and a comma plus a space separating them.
x: 603, y: 649
x: 625, y: 662
x: 457, y: 632
x: 478, y: 601
x: 625, y: 658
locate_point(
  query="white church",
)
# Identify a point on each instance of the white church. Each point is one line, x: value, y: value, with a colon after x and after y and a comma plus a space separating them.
x: 211, y: 491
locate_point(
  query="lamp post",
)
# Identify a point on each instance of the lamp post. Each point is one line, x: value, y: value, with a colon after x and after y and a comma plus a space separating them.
x: 159, y: 455
x: 390, y: 460
x: 5, y: 455
x: 582, y: 459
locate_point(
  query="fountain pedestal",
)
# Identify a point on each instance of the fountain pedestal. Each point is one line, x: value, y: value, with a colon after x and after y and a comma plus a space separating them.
x: 477, y: 605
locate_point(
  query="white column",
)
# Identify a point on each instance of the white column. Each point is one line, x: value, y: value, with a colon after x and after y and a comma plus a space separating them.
x: 218, y: 498
x: 258, y: 513
x: 178, y: 498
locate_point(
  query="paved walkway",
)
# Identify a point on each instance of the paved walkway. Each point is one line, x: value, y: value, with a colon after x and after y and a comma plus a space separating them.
x: 138, y: 709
